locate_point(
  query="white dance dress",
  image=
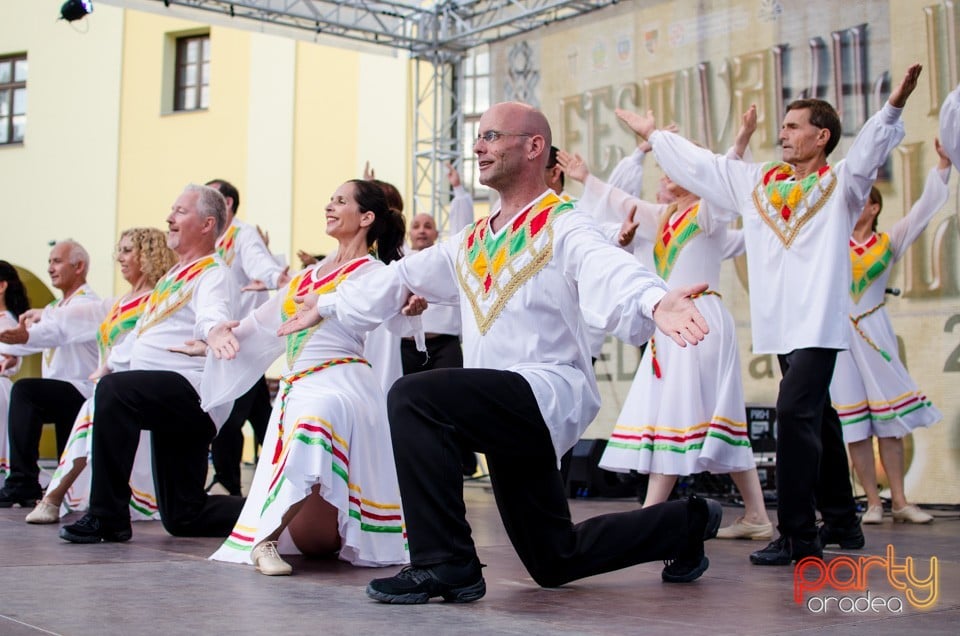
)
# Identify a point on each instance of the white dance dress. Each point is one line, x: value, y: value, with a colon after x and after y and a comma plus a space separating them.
x: 871, y: 389
x: 328, y: 428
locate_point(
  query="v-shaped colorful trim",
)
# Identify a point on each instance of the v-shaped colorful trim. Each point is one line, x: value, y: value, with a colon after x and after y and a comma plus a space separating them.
x: 173, y: 292
x: 868, y: 261
x: 306, y: 283
x: 121, y: 319
x: 492, y: 267
x: 672, y: 237
x: 227, y: 244
x: 786, y: 204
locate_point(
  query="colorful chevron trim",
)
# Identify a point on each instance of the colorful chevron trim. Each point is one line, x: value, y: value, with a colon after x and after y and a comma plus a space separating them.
x: 306, y: 283
x: 786, y: 204
x: 679, y: 440
x: 868, y: 261
x: 173, y: 292
x: 883, y: 410
x: 121, y: 319
x: 227, y: 244
x: 672, y: 237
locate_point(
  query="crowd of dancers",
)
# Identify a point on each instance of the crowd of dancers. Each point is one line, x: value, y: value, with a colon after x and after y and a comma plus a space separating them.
x: 399, y: 365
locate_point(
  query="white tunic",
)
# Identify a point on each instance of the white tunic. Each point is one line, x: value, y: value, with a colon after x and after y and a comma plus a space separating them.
x: 627, y: 175
x: 181, y: 308
x: 950, y: 126
x: 871, y: 389
x: 524, y: 293
x: 800, y: 307
x: 249, y: 259
x: 68, y: 354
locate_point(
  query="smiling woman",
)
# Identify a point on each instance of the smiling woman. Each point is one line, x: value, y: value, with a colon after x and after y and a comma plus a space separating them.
x: 328, y: 435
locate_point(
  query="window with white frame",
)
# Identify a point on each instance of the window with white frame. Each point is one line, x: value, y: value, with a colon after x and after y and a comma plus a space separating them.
x: 473, y: 102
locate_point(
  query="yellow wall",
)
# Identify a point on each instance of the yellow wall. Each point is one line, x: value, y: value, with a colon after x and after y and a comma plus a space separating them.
x: 62, y: 182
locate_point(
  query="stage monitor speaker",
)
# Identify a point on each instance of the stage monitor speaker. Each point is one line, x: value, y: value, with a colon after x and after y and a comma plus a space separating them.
x: 584, y: 477
x: 762, y: 426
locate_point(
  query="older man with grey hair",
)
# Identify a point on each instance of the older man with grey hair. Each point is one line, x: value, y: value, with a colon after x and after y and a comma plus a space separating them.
x: 58, y: 394
x: 160, y: 392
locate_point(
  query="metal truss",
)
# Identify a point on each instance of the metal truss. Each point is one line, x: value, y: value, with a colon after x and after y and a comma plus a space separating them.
x: 437, y: 36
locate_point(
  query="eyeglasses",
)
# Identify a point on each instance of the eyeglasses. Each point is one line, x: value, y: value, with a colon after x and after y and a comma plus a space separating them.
x: 492, y: 135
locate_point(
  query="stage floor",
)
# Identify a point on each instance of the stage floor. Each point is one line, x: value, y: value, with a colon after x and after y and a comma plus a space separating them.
x: 158, y: 584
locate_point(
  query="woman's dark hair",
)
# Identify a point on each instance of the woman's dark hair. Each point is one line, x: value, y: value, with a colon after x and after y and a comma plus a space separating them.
x: 877, y: 199
x: 394, y: 200
x: 389, y: 227
x: 15, y: 297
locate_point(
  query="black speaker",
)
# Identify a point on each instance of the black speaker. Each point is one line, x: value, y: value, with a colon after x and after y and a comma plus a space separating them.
x: 583, y: 476
x: 762, y: 426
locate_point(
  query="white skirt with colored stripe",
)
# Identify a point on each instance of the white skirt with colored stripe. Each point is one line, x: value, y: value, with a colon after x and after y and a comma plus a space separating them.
x: 872, y: 392
x: 691, y: 419
x: 334, y: 434
x: 5, y: 387
x: 143, y: 496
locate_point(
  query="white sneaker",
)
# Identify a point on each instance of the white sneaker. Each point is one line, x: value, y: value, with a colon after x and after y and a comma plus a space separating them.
x: 911, y: 514
x: 873, y: 515
x: 267, y: 560
x: 44, y: 513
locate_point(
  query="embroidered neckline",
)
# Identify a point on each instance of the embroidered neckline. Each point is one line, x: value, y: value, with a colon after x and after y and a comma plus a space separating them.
x: 868, y: 262
x: 673, y: 236
x: 173, y: 292
x: 306, y: 283
x: 491, y: 267
x: 121, y: 319
x: 786, y: 204
x: 227, y: 244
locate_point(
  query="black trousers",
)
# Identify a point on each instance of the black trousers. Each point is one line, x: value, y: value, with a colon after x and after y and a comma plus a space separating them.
x: 496, y: 413
x: 166, y: 404
x: 227, y: 447
x: 33, y: 402
x: 812, y: 468
x: 443, y: 352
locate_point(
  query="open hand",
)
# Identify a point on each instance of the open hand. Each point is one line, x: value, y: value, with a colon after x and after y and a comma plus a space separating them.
x: 306, y: 316
x: 306, y: 259
x: 643, y: 125
x: 222, y: 342
x: 677, y: 316
x: 7, y: 362
x: 193, y: 348
x: 573, y: 166
x: 629, y: 228
x: 16, y: 335
x: 898, y: 98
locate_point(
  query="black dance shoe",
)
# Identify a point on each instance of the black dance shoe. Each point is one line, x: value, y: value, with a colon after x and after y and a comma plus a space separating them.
x: 413, y: 585
x: 92, y: 529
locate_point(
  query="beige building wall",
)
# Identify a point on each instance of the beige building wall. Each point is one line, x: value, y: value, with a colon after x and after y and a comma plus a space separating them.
x: 62, y: 181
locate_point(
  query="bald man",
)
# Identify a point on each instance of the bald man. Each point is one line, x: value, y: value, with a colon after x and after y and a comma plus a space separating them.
x: 526, y: 278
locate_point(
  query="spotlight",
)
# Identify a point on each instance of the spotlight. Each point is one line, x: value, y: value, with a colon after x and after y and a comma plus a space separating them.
x: 75, y: 9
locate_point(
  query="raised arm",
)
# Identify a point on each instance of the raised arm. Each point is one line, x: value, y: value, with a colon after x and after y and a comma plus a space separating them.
x: 935, y: 193
x: 724, y: 183
x: 950, y: 126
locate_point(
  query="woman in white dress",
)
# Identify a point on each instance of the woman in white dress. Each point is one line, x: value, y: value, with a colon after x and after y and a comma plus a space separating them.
x: 13, y: 303
x: 684, y: 412
x: 144, y: 258
x: 871, y: 389
x: 325, y: 483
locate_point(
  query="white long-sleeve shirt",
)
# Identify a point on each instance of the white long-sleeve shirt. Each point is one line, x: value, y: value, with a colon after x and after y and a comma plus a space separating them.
x: 69, y: 354
x: 950, y: 126
x: 248, y: 258
x: 799, y: 269
x: 184, y: 305
x: 524, y: 293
